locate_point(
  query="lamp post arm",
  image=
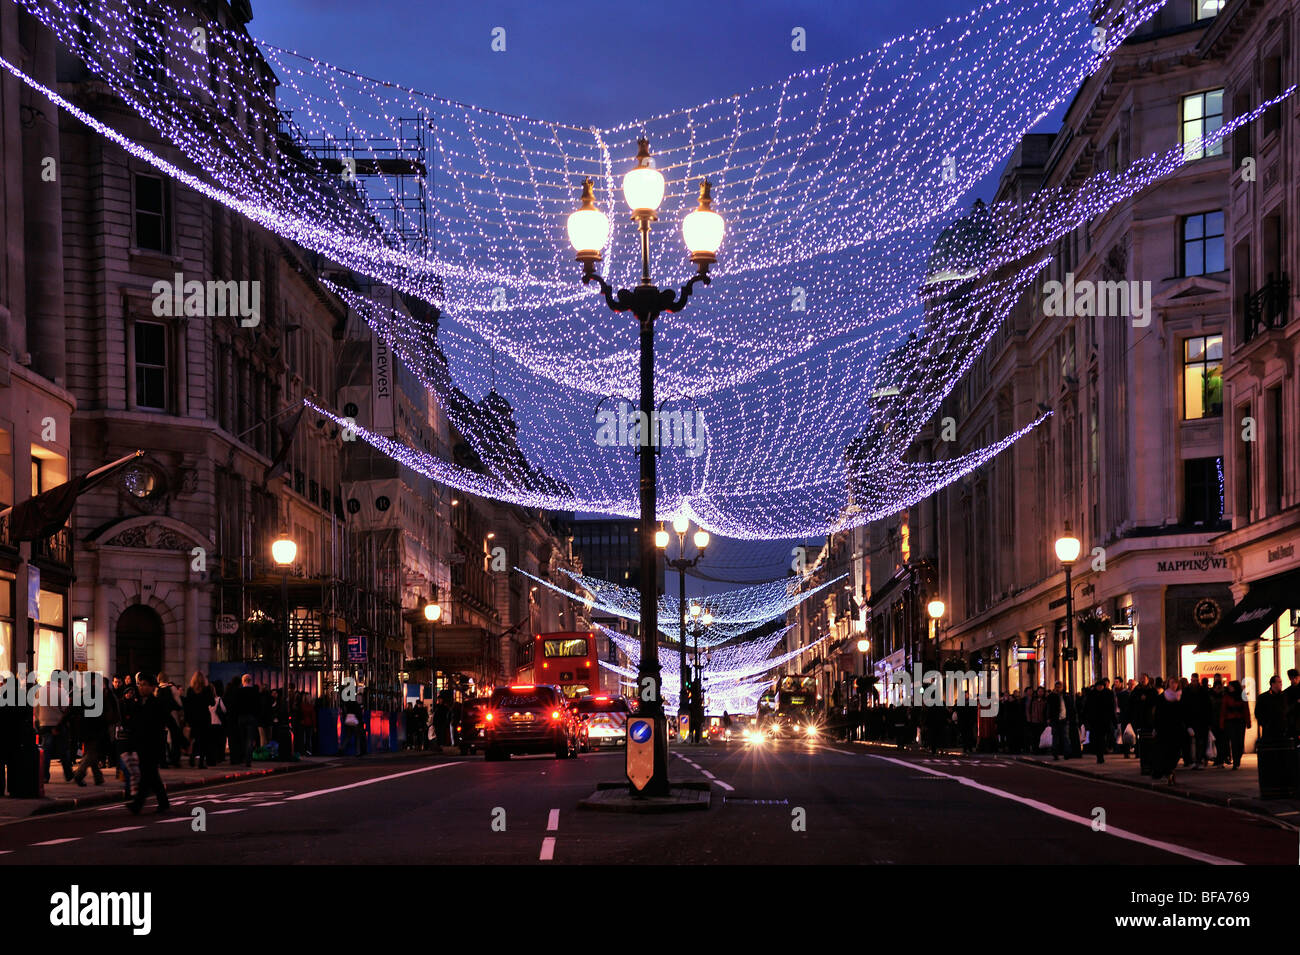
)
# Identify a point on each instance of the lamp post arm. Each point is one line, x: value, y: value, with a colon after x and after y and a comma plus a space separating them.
x: 678, y: 302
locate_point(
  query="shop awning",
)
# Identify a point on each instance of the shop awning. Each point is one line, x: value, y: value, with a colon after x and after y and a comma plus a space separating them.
x: 1255, y: 613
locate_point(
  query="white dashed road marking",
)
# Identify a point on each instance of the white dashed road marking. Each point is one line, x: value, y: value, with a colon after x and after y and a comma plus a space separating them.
x: 548, y: 849
x: 553, y: 822
x: 56, y: 842
x: 109, y: 832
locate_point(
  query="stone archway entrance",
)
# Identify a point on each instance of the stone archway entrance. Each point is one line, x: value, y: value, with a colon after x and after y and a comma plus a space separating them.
x: 139, y: 645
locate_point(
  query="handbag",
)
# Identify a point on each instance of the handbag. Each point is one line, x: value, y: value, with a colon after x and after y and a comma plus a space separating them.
x: 351, y: 720
x: 1211, y: 751
x: 1129, y: 737
x: 1045, y: 741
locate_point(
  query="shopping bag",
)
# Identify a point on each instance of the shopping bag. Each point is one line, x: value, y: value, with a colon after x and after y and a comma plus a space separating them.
x: 1045, y: 741
x: 1130, y: 738
x: 1211, y: 751
x: 1086, y: 737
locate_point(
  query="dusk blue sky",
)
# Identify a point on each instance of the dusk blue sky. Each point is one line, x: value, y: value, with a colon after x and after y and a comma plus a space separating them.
x: 601, y: 64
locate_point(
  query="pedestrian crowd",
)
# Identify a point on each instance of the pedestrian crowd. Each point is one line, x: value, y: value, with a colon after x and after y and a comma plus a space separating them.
x: 144, y: 723
x: 1200, y: 723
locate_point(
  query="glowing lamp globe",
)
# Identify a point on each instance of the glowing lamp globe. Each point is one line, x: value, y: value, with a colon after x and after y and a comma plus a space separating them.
x: 643, y: 187
x: 696, y: 609
x: 708, y: 618
x: 432, y: 612
x: 284, y: 552
x: 661, y: 539
x: 701, y: 539
x: 588, y: 227
x: 864, y: 646
x: 681, y: 524
x: 703, y: 229
x: 936, y: 608
x: 1068, y: 547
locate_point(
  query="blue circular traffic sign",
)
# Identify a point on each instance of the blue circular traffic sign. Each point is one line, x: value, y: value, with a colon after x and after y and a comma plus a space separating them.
x: 640, y: 731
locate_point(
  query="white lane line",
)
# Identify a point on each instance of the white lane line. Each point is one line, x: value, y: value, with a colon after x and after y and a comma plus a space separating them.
x: 109, y: 832
x: 226, y: 812
x: 5, y: 852
x: 713, y: 779
x: 371, y: 782
x: 553, y: 822
x: 1067, y: 816
x: 273, y: 802
x: 177, y: 819
x: 548, y: 849
x: 56, y: 842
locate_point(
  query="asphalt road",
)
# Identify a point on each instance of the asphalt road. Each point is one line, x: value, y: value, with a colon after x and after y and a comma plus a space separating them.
x: 792, y: 802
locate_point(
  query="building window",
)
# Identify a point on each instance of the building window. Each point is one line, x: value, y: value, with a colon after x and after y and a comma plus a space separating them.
x: 1203, y: 490
x: 151, y: 365
x: 1202, y: 114
x: 151, y: 230
x: 1203, y: 243
x: 1206, y: 9
x: 1203, y: 377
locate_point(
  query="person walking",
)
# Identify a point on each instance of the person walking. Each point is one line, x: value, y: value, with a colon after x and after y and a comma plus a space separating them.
x: 1122, y: 693
x: 1035, y: 718
x: 197, y: 707
x: 1292, y: 696
x: 1197, y: 701
x: 1058, y: 715
x: 53, y: 727
x: 352, y: 716
x: 1171, y: 731
x: 149, y: 741
x: 169, y: 697
x: 1236, y: 720
x: 247, y: 712
x: 1270, y: 712
x: 1216, y: 694
x: 94, y: 725
x: 218, y: 717
x: 1099, y: 717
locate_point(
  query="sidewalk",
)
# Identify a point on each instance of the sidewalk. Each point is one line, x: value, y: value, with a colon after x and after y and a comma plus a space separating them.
x: 62, y: 796
x: 1235, y: 788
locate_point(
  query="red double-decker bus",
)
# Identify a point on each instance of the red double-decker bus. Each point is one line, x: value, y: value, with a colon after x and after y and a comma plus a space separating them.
x: 566, y: 659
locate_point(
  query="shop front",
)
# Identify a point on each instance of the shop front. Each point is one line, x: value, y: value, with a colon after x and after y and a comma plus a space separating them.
x: 1191, y: 612
x: 1258, y: 634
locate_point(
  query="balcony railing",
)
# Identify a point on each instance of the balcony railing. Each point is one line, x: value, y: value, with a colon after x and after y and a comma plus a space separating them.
x: 56, y: 548
x: 1267, y: 308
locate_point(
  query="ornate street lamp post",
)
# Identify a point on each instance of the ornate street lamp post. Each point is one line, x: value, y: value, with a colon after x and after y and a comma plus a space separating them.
x: 680, y: 564
x: 284, y: 552
x: 1068, y: 548
x: 588, y: 228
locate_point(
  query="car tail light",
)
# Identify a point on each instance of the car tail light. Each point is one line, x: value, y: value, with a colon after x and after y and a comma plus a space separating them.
x: 555, y: 714
x: 488, y: 717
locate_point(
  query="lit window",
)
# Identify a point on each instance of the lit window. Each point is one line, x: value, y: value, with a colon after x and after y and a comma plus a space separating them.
x: 1202, y: 114
x: 1203, y: 377
x: 1203, y: 243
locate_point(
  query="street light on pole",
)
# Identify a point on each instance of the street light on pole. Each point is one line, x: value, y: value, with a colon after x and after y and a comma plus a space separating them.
x: 284, y: 552
x: 702, y: 230
x: 1068, y: 548
x: 681, y: 525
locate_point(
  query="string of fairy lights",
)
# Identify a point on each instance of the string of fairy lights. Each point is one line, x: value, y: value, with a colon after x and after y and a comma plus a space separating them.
x: 849, y: 297
x: 733, y: 612
x: 736, y: 676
